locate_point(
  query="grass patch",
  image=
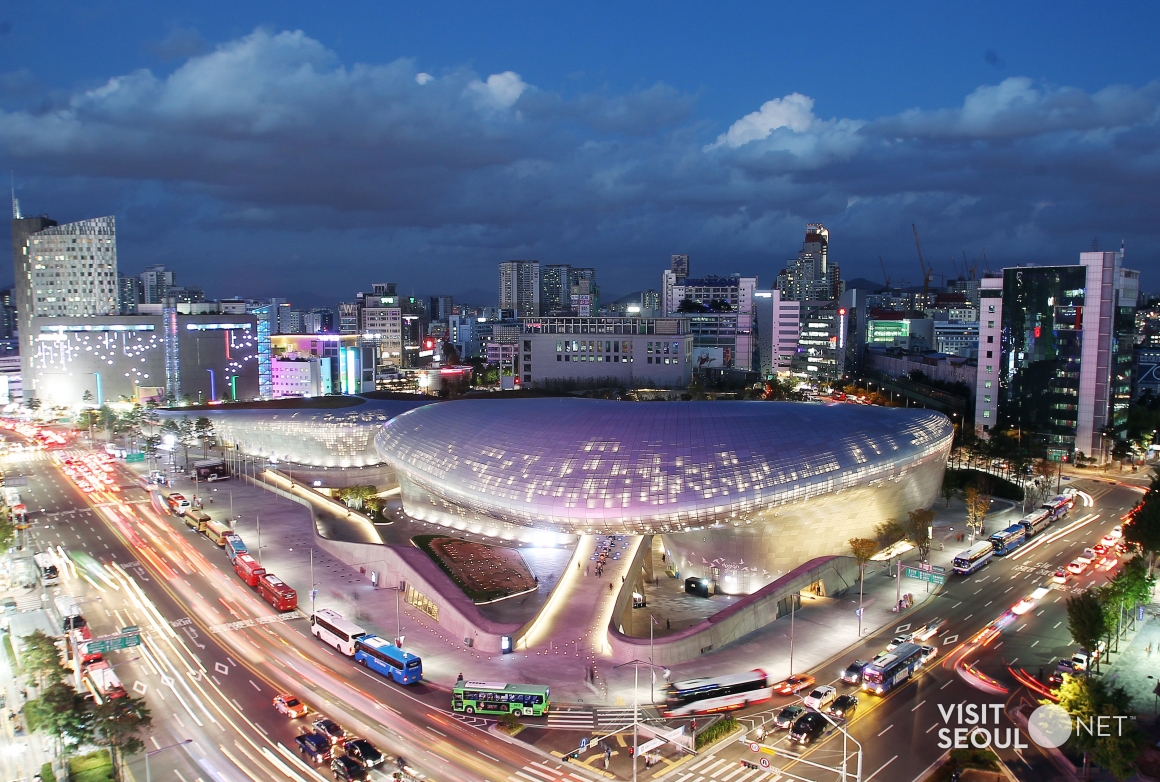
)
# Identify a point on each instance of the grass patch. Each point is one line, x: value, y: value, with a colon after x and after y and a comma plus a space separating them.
x: 715, y: 732
x: 961, y: 759
x: 93, y: 767
x: 46, y: 773
x: 11, y: 654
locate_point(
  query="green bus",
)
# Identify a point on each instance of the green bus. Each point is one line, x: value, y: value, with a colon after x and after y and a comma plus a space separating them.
x: 492, y: 698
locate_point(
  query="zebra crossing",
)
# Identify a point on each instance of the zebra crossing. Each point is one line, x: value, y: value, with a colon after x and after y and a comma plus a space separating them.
x: 538, y: 772
x: 571, y: 719
x: 714, y: 769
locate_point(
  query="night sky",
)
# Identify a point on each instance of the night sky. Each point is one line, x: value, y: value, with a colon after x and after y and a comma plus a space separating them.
x: 307, y: 150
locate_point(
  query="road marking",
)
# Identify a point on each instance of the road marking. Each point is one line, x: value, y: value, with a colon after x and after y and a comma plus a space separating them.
x: 222, y: 669
x: 1057, y: 624
x: 996, y: 646
x: 1041, y: 612
x: 948, y: 684
x: 956, y: 605
x: 888, y: 727
x: 1013, y: 660
x: 902, y: 628
x: 977, y: 591
x: 256, y: 687
x: 918, y: 704
x: 935, y: 725
x: 988, y: 603
x: 1009, y: 589
x: 884, y: 765
x: 489, y: 757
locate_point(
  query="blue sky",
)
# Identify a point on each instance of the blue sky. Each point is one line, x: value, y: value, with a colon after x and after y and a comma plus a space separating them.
x: 307, y: 150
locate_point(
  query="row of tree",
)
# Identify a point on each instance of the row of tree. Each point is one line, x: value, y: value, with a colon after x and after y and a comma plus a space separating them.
x: 916, y: 529
x: 73, y: 720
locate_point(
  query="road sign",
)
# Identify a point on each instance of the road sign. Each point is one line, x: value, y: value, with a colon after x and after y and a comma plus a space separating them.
x: 135, y: 457
x: 754, y: 746
x: 764, y: 762
x: 920, y: 575
x: 111, y: 643
x: 583, y: 743
x: 1140, y: 613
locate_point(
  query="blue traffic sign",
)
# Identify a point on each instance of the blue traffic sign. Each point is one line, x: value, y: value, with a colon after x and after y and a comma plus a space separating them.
x: 583, y: 742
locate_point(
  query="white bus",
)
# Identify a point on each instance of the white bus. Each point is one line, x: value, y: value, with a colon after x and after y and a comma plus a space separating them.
x: 46, y: 567
x: 329, y: 626
x: 700, y: 696
x: 967, y: 562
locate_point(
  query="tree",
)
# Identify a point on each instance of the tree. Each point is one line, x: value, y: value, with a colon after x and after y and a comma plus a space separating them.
x: 33, y: 404
x: 41, y: 658
x: 952, y: 485
x: 978, y: 506
x: 1087, y: 621
x: 152, y: 443
x: 918, y: 529
x: 889, y: 533
x: 62, y: 712
x: 1144, y: 528
x: 7, y: 528
x: 356, y: 496
x: 862, y: 549
x: 1086, y: 699
x: 118, y: 724
x: 204, y: 432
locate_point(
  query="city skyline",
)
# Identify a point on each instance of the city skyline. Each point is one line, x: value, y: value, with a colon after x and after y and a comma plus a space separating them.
x: 466, y: 157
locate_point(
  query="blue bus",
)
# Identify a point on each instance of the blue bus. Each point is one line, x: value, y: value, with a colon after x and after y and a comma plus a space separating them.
x: 1058, y: 506
x: 892, y: 668
x: 967, y: 562
x: 1006, y: 541
x: 1036, y: 521
x: 388, y: 660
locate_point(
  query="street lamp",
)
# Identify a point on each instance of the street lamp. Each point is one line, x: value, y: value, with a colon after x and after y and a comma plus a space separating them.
x: 151, y: 753
x: 398, y: 620
x: 636, y: 701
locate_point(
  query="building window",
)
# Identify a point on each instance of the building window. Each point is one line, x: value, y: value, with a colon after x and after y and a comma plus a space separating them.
x: 421, y: 601
x: 990, y: 324
x: 989, y: 369
x: 986, y: 414
x: 986, y: 384
x: 989, y: 354
x: 991, y: 308
x: 986, y: 397
x: 559, y: 358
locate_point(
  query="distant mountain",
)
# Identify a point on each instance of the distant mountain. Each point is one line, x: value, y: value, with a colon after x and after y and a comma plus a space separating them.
x: 865, y: 284
x: 476, y: 297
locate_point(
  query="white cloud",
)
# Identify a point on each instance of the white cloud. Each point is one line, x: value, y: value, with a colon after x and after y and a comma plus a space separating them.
x: 423, y: 78
x: 794, y: 111
x: 500, y: 91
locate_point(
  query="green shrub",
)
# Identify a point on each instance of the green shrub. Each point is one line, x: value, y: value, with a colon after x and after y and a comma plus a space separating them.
x: 93, y: 767
x: 715, y: 732
x: 987, y: 483
x: 982, y: 759
x: 46, y: 773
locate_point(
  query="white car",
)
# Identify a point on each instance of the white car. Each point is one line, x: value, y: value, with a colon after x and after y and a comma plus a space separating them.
x: 898, y: 641
x: 821, y: 697
x: 1117, y: 532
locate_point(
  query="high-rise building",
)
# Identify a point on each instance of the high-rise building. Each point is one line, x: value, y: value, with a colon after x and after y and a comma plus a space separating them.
x: 721, y: 317
x: 61, y: 271
x: 679, y: 266
x: 811, y: 276
x: 1055, y: 354
x: 7, y: 315
x: 128, y: 294
x: 778, y: 326
x: 155, y: 284
x: 519, y: 287
x: 380, y: 318
x: 556, y: 289
x: 441, y: 307
x: 584, y: 293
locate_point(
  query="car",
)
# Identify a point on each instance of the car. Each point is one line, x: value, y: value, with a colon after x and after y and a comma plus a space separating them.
x: 1108, y: 540
x: 1100, y: 549
x: 929, y: 653
x: 1023, y: 606
x: 821, y: 697
x: 853, y: 672
x: 290, y: 706
x: 314, y: 746
x: 794, y: 684
x: 808, y: 727
x: 1122, y: 547
x: 1077, y: 566
x: 366, y: 753
x: 1065, y: 666
x: 329, y: 728
x: 347, y: 769
x: 1117, y: 532
x: 898, y: 641
x: 1088, y: 554
x: 927, y: 631
x: 1061, y: 577
x: 788, y: 716
x: 843, y: 706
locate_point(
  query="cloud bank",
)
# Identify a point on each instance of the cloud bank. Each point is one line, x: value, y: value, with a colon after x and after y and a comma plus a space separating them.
x: 269, y: 156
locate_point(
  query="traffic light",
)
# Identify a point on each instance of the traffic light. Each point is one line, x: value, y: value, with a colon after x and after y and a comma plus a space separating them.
x: 747, y: 764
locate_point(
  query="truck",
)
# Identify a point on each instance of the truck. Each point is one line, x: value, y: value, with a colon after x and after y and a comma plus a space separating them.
x: 103, y: 682
x: 210, y: 470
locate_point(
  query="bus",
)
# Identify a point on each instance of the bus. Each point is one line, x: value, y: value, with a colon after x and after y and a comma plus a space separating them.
x: 891, y: 669
x: 217, y: 531
x: 196, y: 520
x: 234, y: 545
x: 178, y: 504
x: 277, y: 592
x: 967, y: 562
x: 1058, y: 506
x: 490, y: 698
x: 1037, y: 521
x: 700, y: 696
x: 1006, y: 541
x: 46, y: 568
x: 386, y: 659
x: 329, y: 626
x: 103, y: 682
x: 80, y: 637
x: 248, y: 568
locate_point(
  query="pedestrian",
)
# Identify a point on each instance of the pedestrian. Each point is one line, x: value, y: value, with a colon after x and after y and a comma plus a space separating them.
x: 610, y: 586
x: 460, y: 677
x: 585, y: 572
x: 1040, y: 678
x: 668, y: 625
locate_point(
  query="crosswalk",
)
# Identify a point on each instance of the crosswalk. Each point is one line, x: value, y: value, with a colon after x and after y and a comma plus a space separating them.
x: 538, y: 772
x: 571, y: 719
x: 714, y: 769
x: 615, y: 716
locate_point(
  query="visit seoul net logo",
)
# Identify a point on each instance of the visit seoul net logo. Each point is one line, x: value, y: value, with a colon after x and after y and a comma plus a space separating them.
x: 977, y: 726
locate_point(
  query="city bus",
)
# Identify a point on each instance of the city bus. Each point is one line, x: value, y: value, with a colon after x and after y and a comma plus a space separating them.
x: 329, y: 626
x: 891, y: 669
x: 276, y: 592
x: 490, y: 697
x: 700, y: 696
x: 46, y: 568
x: 1006, y: 541
x: 1058, y: 506
x: 248, y: 568
x: 1036, y: 521
x: 196, y: 520
x: 217, y: 531
x: 386, y: 659
x: 967, y: 562
x: 234, y: 545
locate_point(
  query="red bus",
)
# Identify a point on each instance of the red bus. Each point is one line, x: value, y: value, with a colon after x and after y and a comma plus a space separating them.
x: 81, y: 636
x: 249, y: 569
x: 275, y: 592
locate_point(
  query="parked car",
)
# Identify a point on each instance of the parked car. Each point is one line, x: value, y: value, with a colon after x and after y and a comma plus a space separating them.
x: 314, y: 746
x: 290, y: 706
x: 821, y: 697
x: 347, y: 769
x: 788, y: 716
x: 329, y: 728
x: 853, y: 672
x: 843, y: 706
x: 364, y: 752
x: 808, y: 727
x: 794, y: 684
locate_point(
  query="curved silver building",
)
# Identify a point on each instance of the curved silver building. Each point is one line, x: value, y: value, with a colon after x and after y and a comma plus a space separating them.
x: 742, y: 491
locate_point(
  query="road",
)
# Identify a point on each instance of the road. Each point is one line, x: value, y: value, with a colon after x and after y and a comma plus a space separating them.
x: 215, y: 654
x: 900, y: 732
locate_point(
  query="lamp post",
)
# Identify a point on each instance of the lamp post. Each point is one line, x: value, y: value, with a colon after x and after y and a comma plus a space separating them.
x: 151, y: 753
x: 793, y: 598
x: 636, y: 702
x: 398, y: 619
x: 212, y: 386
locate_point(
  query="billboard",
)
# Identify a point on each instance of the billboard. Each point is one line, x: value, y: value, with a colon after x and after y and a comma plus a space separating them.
x: 708, y: 358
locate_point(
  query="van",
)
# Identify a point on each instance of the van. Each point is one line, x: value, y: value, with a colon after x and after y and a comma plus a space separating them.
x: 276, y: 592
x: 197, y: 520
x: 234, y: 546
x: 217, y: 531
x: 249, y: 569
x: 1082, y: 660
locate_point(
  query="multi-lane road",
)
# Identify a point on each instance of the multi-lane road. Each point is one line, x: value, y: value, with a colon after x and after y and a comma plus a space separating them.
x: 900, y: 733
x: 215, y: 655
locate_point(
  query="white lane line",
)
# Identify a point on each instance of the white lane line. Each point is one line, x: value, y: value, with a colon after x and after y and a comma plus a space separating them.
x: 948, y: 684
x: 884, y: 765
x: 918, y: 704
x: 1057, y: 624
x: 956, y: 605
x: 489, y: 757
x: 932, y: 727
x: 888, y: 727
x: 1035, y: 644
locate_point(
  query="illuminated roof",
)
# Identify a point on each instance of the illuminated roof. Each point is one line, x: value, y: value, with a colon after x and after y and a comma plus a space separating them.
x: 577, y: 464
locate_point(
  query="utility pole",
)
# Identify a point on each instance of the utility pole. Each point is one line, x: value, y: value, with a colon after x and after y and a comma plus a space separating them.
x: 793, y: 598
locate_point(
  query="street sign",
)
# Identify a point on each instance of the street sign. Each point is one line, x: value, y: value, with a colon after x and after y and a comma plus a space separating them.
x: 754, y: 746
x: 921, y: 575
x: 111, y: 643
x: 135, y: 457
x: 583, y: 743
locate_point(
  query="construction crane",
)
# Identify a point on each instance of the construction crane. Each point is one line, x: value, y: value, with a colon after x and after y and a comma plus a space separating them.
x: 885, y: 276
x: 927, y: 272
